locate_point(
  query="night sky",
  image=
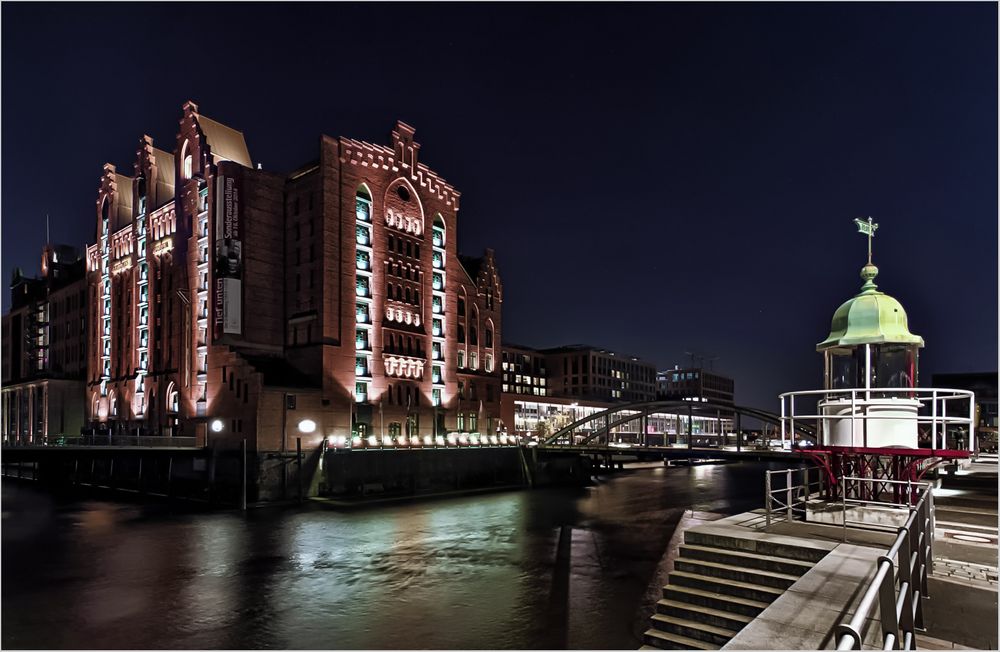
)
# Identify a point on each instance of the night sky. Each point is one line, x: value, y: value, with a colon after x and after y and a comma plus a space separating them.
x: 655, y: 179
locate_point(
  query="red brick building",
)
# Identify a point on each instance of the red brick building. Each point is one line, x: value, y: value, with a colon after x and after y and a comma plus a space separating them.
x: 233, y: 303
x: 44, y: 344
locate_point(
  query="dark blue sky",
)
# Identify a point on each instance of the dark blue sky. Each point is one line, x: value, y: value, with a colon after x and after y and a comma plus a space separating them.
x: 655, y: 178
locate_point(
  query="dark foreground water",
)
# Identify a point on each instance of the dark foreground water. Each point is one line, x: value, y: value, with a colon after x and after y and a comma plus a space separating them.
x: 550, y: 568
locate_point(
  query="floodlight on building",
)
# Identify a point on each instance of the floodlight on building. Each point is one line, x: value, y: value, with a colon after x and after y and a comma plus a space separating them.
x: 216, y: 425
x: 307, y: 426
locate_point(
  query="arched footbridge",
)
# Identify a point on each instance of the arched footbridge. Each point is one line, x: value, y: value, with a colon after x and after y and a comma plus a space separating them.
x: 603, y: 432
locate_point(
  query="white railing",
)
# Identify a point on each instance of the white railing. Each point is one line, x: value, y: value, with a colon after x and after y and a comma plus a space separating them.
x: 792, y: 496
x: 936, y: 400
x: 899, y: 585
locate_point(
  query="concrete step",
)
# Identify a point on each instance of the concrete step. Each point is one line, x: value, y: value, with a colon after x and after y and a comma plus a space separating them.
x: 666, y: 641
x: 703, y: 614
x: 746, y: 590
x: 713, y: 600
x: 763, y: 546
x: 739, y: 573
x: 692, y: 629
x: 749, y: 559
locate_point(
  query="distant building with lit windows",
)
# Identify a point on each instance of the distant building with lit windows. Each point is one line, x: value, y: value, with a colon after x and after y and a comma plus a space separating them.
x: 695, y: 383
x: 588, y: 372
x: 228, y: 296
x: 45, y: 351
x: 524, y: 371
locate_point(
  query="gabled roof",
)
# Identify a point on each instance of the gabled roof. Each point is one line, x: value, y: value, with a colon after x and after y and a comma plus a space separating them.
x: 165, y: 176
x: 225, y: 141
x: 472, y: 266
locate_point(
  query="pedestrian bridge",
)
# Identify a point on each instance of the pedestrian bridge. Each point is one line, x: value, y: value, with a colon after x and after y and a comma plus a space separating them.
x: 604, y: 429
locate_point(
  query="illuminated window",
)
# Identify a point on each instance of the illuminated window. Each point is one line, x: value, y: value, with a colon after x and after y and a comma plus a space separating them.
x: 488, y: 363
x: 473, y: 360
x: 461, y: 359
x: 188, y: 166
x: 436, y: 397
x: 363, y: 208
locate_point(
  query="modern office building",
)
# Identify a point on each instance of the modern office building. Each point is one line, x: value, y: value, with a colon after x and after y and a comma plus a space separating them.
x: 524, y: 371
x: 231, y: 303
x: 695, y: 383
x: 45, y: 351
x: 588, y: 372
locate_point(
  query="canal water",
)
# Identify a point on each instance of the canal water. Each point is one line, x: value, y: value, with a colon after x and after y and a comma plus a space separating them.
x: 544, y: 568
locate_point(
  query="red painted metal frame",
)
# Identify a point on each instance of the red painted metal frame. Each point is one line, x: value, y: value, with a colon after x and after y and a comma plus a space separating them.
x: 880, y: 465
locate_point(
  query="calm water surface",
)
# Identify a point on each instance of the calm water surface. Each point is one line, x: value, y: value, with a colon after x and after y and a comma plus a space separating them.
x: 551, y: 568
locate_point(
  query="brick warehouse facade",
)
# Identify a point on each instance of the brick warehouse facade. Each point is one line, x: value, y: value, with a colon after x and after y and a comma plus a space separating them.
x: 335, y: 294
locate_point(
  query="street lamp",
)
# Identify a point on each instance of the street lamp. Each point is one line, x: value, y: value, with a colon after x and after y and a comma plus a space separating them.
x: 216, y: 425
x: 307, y: 426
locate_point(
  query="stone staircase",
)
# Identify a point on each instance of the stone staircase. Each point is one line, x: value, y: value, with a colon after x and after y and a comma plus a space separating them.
x: 719, y: 584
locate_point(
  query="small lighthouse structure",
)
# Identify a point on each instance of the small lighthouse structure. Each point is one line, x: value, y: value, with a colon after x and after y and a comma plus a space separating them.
x: 870, y: 346
x: 872, y: 420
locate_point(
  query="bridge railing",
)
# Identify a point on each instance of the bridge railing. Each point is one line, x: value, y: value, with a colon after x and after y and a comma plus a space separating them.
x: 899, y: 585
x: 125, y: 441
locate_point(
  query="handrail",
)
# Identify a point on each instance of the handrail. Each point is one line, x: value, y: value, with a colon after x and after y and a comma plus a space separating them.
x: 773, y: 496
x: 142, y: 441
x: 900, y: 611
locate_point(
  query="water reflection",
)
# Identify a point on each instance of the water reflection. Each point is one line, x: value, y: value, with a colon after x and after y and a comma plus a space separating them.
x: 552, y: 568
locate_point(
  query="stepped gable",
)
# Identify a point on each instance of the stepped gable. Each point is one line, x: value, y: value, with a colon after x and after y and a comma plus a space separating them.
x: 401, y: 158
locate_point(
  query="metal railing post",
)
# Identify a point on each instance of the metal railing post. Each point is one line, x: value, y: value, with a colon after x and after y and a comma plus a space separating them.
x: 934, y: 420
x: 972, y: 425
x: 791, y: 408
x: 782, y: 421
x: 767, y: 500
x: 843, y: 505
x: 788, y: 494
x: 887, y: 605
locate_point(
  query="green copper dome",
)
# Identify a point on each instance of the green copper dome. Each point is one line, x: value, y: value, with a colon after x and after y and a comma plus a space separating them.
x: 871, y: 317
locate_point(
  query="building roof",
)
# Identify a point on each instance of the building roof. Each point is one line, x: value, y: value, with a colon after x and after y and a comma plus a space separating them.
x: 165, y: 176
x: 123, y: 190
x: 225, y: 141
x: 870, y: 317
x: 472, y: 265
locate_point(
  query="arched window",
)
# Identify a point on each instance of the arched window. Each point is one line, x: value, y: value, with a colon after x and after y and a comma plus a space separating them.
x: 173, y: 399
x: 461, y: 334
x: 488, y: 337
x: 473, y: 335
x: 461, y: 306
x: 141, y: 188
x: 113, y: 403
x: 187, y: 162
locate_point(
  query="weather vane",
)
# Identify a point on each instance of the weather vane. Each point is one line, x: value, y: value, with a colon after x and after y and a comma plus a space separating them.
x: 868, y: 228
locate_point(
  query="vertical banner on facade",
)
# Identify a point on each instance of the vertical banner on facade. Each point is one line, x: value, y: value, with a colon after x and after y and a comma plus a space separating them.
x: 228, y: 251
